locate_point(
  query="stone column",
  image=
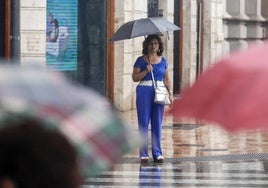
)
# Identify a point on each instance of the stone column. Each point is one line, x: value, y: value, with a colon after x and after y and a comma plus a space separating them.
x: 254, y: 29
x: 237, y: 33
x: 225, y: 12
x: 126, y: 52
x: 264, y: 9
x: 237, y: 30
x: 225, y: 44
x: 264, y: 12
x: 253, y: 10
x: 236, y: 8
x: 227, y: 16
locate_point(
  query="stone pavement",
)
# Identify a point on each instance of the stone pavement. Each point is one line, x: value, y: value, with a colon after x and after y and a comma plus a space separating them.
x: 196, y: 155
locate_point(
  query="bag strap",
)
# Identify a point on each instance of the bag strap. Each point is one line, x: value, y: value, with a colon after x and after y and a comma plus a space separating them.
x: 154, y: 84
x: 153, y: 79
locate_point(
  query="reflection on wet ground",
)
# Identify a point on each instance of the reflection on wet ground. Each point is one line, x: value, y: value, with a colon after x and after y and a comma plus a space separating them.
x: 196, y: 155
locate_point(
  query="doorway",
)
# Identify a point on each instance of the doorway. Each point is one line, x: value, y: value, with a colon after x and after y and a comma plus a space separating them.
x: 92, y: 44
x: 177, y: 47
x: 2, y: 29
x: 10, y: 30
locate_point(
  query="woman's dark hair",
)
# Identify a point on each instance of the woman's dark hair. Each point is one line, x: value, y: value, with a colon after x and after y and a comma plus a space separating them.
x: 33, y: 157
x: 147, y: 41
x: 55, y: 21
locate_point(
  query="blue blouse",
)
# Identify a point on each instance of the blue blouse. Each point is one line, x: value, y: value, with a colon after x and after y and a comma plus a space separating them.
x: 159, y: 69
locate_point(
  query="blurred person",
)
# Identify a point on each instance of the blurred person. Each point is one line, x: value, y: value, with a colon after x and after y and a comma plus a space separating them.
x: 54, y: 34
x: 53, y: 134
x: 34, y: 157
x: 50, y: 19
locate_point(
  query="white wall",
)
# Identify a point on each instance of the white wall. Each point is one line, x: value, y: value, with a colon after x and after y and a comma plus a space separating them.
x: 32, y: 32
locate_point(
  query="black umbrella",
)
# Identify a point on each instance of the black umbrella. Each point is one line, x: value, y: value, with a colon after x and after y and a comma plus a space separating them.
x: 143, y: 27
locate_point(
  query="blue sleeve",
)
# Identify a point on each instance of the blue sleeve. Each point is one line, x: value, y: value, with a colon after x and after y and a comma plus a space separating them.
x: 166, y: 64
x: 140, y: 63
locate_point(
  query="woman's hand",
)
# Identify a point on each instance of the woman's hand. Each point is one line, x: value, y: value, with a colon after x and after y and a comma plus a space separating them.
x: 171, y: 99
x: 149, y: 67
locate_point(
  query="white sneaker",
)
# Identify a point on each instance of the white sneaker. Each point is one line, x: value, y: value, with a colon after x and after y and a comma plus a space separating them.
x: 144, y: 159
x: 159, y: 159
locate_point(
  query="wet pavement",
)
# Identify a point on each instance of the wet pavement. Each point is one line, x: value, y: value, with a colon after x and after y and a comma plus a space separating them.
x: 196, y: 155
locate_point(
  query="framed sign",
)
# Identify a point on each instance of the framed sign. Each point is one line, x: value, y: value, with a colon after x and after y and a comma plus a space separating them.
x: 61, y: 35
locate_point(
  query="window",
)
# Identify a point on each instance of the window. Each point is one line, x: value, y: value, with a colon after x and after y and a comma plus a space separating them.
x: 153, y: 8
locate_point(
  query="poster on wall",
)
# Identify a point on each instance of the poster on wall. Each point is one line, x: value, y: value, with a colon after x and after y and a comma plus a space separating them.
x: 61, y: 35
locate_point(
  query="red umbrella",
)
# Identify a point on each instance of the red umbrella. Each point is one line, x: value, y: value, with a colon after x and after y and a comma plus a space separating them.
x: 233, y: 93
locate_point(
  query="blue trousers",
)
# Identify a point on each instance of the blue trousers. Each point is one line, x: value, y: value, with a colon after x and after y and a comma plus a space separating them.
x: 149, y: 112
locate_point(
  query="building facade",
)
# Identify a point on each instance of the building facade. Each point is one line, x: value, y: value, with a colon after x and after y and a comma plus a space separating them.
x: 209, y: 30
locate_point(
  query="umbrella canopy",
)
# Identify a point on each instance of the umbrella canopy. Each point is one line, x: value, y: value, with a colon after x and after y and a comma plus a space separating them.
x: 86, y: 119
x: 233, y: 93
x: 143, y: 27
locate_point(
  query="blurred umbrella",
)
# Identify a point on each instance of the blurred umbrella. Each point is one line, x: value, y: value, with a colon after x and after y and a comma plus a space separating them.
x: 143, y: 27
x: 233, y: 93
x: 86, y: 119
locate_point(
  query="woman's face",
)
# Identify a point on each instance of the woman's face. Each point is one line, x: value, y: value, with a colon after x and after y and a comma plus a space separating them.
x: 153, y: 46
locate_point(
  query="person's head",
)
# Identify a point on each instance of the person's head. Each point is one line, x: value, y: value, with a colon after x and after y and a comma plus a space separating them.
x: 55, y: 23
x: 152, y: 40
x: 32, y: 156
x: 50, y: 17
